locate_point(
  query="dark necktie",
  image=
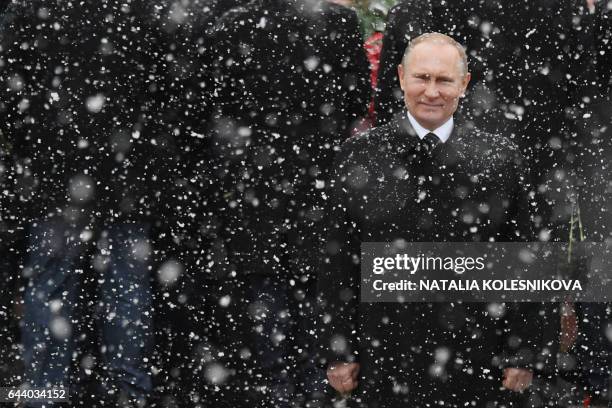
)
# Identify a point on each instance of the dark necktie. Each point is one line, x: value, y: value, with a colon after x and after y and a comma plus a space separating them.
x: 428, y: 144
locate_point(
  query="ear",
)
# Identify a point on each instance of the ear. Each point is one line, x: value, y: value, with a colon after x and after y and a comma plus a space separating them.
x: 464, y: 84
x: 400, y: 75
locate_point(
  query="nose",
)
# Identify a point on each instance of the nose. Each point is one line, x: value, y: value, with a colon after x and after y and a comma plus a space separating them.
x: 432, y: 90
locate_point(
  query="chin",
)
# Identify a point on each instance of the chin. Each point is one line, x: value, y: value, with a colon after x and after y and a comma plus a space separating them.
x: 428, y: 121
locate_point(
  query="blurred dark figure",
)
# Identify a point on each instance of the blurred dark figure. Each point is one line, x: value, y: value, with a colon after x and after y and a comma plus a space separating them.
x: 524, y: 58
x: 291, y: 78
x: 198, y: 318
x: 83, y: 101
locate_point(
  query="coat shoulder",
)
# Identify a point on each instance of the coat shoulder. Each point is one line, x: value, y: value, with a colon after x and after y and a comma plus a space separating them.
x: 490, y: 149
x: 497, y: 141
x: 369, y: 149
x: 368, y: 141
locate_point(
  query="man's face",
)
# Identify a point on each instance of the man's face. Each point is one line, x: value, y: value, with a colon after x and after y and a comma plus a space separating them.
x: 433, y: 80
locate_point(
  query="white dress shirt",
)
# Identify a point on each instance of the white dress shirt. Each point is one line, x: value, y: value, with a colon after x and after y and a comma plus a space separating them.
x: 443, y: 132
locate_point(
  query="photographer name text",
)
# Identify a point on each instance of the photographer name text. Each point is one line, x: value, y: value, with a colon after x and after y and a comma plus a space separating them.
x: 479, y: 285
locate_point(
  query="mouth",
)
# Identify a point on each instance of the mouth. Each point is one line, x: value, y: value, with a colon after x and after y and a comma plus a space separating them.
x: 431, y: 105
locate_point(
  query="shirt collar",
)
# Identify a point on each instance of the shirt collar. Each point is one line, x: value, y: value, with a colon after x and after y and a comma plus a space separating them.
x: 443, y: 132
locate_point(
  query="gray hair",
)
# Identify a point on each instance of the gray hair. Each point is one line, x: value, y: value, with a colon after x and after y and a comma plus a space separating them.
x: 440, y: 39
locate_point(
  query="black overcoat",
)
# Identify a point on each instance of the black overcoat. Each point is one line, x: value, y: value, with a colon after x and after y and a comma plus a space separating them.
x: 472, y: 190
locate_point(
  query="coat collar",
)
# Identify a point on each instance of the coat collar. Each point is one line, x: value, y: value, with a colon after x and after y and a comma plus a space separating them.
x: 402, y: 139
x: 442, y: 132
x: 403, y: 136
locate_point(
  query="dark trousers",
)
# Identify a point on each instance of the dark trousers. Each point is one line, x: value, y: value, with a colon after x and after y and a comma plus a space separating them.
x: 57, y: 257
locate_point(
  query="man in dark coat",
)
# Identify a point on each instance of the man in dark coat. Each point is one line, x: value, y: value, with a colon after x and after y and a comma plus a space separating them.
x: 83, y: 107
x: 524, y: 55
x: 290, y: 79
x: 424, y: 178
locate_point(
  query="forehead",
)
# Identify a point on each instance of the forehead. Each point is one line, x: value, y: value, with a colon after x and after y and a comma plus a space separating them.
x: 434, y: 57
